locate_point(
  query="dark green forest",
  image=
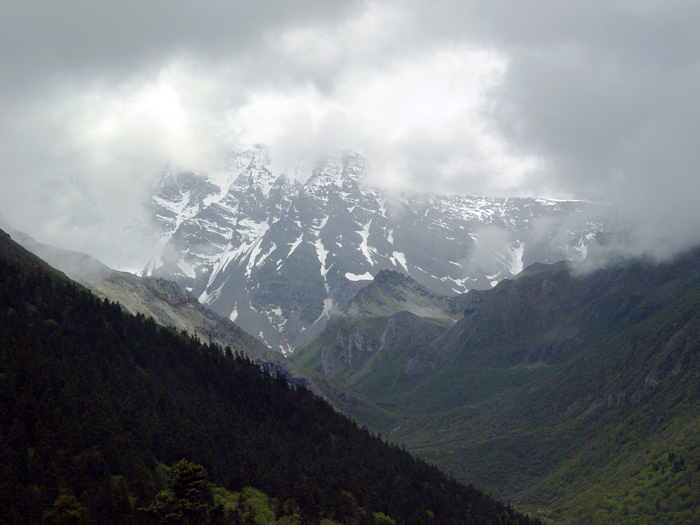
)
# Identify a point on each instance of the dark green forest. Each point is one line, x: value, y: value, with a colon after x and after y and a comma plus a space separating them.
x: 96, y: 405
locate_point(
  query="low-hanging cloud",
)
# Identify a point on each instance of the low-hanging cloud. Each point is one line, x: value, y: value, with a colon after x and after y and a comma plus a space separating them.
x: 608, y: 96
x: 81, y: 164
x: 593, y: 100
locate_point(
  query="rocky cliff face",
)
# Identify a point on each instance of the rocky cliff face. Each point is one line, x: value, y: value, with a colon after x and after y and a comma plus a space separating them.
x: 391, y: 292
x: 382, y: 336
x: 278, y: 253
x: 350, y: 350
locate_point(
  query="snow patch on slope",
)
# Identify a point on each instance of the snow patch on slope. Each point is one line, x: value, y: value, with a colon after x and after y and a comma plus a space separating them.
x: 354, y: 277
x: 188, y: 270
x: 516, y: 263
x: 400, y: 257
x: 208, y: 298
x: 327, y: 307
x: 257, y: 248
x: 234, y: 313
x: 294, y: 245
x: 322, y: 255
x: 364, y: 248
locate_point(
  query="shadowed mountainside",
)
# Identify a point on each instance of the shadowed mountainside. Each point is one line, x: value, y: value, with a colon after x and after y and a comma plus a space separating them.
x: 94, y: 401
x: 166, y: 303
x: 574, y: 395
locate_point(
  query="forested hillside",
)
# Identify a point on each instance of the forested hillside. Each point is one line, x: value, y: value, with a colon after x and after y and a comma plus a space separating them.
x: 95, y: 403
x: 163, y: 301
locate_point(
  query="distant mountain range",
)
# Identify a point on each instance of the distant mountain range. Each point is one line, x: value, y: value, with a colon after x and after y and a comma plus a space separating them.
x: 278, y: 253
x: 574, y: 394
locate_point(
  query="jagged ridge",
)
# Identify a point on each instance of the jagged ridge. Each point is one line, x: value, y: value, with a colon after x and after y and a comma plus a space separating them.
x: 279, y: 253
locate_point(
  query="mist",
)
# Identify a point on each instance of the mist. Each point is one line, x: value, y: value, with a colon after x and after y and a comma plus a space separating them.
x: 591, y: 101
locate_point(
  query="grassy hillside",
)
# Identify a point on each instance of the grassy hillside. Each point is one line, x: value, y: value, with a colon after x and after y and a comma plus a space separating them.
x: 575, y: 396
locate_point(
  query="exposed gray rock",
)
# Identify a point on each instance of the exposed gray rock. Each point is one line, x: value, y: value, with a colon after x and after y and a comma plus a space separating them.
x: 280, y: 253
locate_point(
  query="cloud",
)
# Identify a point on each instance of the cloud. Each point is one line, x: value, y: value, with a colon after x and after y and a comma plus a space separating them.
x: 593, y: 100
x: 607, y: 95
x: 80, y: 163
x: 491, y: 249
x: 75, y: 37
x: 417, y: 120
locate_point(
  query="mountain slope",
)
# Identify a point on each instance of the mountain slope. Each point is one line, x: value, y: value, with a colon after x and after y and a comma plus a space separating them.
x: 166, y: 303
x: 574, y: 395
x: 381, y: 338
x: 391, y: 292
x: 279, y: 253
x: 93, y: 400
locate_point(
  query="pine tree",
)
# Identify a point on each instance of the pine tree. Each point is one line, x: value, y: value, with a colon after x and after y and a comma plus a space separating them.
x: 66, y: 510
x: 188, y: 500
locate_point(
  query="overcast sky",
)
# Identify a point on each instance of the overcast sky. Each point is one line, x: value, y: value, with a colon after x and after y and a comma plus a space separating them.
x: 584, y: 99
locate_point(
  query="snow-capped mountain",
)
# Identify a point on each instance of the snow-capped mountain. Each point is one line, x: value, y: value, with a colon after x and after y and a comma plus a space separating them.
x: 279, y: 253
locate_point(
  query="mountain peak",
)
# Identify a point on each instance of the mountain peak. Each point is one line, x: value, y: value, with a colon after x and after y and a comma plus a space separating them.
x: 278, y: 251
x: 392, y: 277
x: 392, y: 292
x: 342, y: 169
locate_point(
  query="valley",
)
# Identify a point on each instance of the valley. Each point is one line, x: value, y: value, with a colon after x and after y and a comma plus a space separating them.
x: 367, y: 262
x: 106, y: 417
x: 571, y: 394
x: 565, y: 390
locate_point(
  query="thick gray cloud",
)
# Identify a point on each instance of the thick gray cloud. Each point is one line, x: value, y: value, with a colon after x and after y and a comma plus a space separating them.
x: 76, y: 37
x: 595, y: 100
x: 608, y: 94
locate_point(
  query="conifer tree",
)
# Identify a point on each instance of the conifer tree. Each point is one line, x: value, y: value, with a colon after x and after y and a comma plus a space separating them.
x: 187, y: 500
